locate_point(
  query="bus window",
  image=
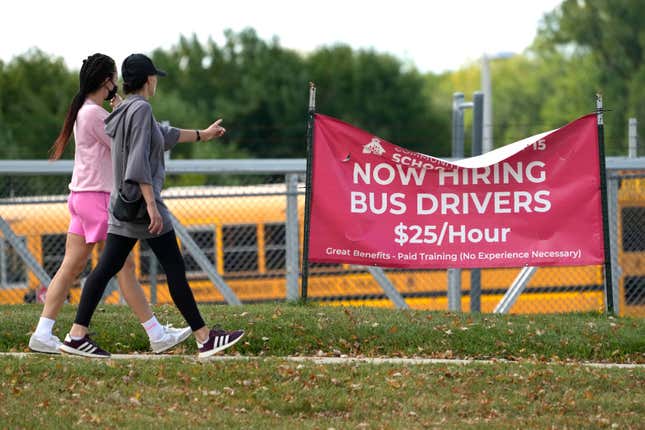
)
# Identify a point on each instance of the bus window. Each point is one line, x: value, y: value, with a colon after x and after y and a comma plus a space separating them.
x: 275, y: 246
x: 634, y: 290
x: 633, y: 218
x: 53, y: 247
x: 53, y: 252
x: 205, y: 239
x: 325, y: 267
x: 12, y: 268
x: 240, y: 248
x: 145, y: 254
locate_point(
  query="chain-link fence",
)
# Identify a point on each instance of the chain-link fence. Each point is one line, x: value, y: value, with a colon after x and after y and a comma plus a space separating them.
x: 242, y: 230
x: 629, y: 246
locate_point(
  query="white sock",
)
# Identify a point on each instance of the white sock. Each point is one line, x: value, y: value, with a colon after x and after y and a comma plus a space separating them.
x: 200, y: 344
x: 44, y: 327
x: 154, y: 329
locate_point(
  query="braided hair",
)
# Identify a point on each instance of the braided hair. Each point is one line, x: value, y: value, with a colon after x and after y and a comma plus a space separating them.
x: 95, y: 69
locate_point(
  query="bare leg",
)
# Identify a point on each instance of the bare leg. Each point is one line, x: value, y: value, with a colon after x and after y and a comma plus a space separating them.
x: 113, y: 257
x: 201, y: 334
x: 132, y: 291
x: 76, y: 254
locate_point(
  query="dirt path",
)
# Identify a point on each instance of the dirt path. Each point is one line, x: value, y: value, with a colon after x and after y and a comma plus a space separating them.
x: 346, y: 360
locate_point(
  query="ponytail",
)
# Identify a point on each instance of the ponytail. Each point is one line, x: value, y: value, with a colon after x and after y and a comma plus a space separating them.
x: 57, y: 149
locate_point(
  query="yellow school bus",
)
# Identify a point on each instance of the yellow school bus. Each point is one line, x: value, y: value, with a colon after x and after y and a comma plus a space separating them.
x: 241, y: 229
x: 631, y: 244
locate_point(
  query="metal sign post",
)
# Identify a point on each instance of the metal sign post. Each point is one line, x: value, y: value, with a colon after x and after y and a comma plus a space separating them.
x: 305, y: 243
x: 609, y: 297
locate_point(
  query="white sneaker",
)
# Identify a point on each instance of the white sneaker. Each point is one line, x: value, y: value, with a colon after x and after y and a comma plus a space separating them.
x: 171, y: 337
x: 48, y: 345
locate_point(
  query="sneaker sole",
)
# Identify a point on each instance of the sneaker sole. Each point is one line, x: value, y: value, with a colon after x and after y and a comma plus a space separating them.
x: 73, y: 351
x: 180, y: 340
x: 219, y: 348
x: 34, y: 345
x: 43, y: 351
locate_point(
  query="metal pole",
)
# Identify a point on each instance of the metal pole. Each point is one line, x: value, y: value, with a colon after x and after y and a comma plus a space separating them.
x: 612, y: 219
x: 457, y: 125
x: 632, y: 151
x: 24, y: 253
x: 487, y: 87
x: 476, y: 149
x: 390, y: 291
x: 291, y: 236
x: 478, y: 123
x: 454, y: 275
x: 310, y: 135
x: 514, y: 291
x: 204, y: 263
x: 152, y: 275
x: 609, y: 296
x: 3, y: 266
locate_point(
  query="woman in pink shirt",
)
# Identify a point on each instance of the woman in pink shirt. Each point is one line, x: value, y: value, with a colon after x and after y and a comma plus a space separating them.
x: 88, y: 203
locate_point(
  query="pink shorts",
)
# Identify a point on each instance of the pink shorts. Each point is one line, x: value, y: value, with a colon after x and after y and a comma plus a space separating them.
x: 89, y: 210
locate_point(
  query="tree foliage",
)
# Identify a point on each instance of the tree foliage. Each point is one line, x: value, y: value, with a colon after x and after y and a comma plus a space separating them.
x: 607, y: 38
x: 261, y: 91
x: 35, y: 92
x: 260, y: 88
x: 582, y: 47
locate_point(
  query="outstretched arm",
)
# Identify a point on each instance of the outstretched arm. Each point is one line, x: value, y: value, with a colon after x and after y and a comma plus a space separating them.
x: 213, y: 131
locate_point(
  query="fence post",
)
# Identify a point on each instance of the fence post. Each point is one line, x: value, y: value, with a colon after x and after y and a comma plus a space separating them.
x: 458, y: 106
x: 311, y: 112
x: 476, y: 149
x: 204, y: 263
x: 152, y: 275
x: 26, y: 256
x: 291, y: 237
x: 609, y: 295
x: 454, y: 275
x: 632, y: 143
x: 612, y: 221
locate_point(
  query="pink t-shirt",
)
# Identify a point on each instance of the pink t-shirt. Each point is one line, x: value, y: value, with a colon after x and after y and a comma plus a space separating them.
x: 92, y: 160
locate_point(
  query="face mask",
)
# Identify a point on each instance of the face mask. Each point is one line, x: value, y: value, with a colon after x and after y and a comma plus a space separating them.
x: 111, y: 93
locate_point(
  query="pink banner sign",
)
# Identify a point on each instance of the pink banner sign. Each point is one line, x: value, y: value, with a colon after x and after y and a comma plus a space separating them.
x: 535, y: 202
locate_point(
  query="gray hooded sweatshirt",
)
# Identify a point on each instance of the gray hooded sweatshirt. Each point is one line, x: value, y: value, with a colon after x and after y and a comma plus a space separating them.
x: 134, y: 130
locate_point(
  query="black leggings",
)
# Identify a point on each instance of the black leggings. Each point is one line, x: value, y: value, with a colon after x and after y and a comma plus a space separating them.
x: 111, y: 261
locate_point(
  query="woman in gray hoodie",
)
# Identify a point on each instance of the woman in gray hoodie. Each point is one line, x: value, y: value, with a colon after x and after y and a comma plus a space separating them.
x: 138, y: 145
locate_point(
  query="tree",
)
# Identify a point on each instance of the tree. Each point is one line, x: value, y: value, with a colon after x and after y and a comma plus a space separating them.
x: 35, y: 92
x: 376, y: 92
x: 612, y: 34
x: 258, y: 88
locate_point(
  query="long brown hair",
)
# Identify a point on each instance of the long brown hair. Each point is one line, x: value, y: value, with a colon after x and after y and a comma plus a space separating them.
x: 96, y: 68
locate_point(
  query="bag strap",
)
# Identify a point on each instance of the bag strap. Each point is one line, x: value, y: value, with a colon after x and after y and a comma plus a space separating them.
x: 124, y: 158
x: 124, y: 150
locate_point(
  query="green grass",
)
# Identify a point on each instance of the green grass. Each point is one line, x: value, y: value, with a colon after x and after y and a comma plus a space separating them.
x: 60, y: 392
x: 282, y: 329
x: 547, y: 387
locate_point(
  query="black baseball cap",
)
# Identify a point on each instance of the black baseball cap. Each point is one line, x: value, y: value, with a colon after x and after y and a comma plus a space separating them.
x: 138, y: 67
